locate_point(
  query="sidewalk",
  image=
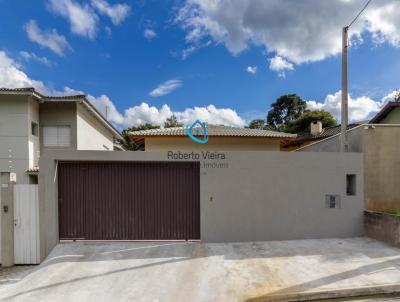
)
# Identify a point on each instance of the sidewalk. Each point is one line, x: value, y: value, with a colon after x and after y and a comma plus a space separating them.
x: 299, y: 270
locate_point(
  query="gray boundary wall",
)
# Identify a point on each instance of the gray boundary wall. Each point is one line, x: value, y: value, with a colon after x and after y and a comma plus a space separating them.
x: 245, y: 196
x: 332, y: 144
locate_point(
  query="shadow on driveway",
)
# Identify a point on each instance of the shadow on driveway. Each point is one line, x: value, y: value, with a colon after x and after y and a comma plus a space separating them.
x: 180, y: 271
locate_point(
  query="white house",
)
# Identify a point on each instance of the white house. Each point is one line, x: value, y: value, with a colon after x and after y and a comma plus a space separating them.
x: 31, y: 123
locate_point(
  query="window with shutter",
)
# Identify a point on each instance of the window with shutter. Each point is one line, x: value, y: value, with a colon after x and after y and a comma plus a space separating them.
x: 56, y: 136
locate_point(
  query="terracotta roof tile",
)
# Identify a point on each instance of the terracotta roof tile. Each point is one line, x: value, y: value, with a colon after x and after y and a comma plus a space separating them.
x: 212, y: 130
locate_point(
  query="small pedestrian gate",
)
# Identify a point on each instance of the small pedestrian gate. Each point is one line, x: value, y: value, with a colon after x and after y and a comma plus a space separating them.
x: 129, y: 200
x: 26, y: 224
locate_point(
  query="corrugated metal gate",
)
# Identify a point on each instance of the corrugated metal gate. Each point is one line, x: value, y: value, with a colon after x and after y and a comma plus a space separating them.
x: 129, y: 200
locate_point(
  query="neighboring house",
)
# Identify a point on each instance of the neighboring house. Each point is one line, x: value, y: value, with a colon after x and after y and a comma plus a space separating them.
x: 221, y: 138
x: 31, y: 123
x: 389, y: 115
x: 317, y: 133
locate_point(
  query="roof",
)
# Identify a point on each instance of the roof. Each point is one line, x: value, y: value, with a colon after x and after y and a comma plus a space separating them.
x: 34, y: 170
x: 212, y: 130
x: 73, y: 98
x: 326, y: 132
x: 384, y: 112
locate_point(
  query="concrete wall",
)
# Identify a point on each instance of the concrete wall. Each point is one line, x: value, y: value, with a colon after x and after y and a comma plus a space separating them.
x: 392, y: 118
x: 382, y: 167
x: 214, y: 143
x: 332, y: 144
x: 245, y: 196
x: 92, y: 135
x: 383, y: 227
x: 59, y: 114
x: 33, y: 140
x: 14, y: 136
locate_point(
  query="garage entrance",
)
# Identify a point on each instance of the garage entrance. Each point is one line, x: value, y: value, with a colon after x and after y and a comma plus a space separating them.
x: 129, y: 200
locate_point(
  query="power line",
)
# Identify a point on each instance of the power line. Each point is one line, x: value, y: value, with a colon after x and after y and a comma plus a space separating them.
x: 361, y: 11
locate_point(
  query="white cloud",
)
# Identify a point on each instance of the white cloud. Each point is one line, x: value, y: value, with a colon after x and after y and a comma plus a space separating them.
x: 83, y: 21
x: 144, y: 113
x: 280, y: 65
x: 117, y: 12
x: 251, y: 69
x: 107, y: 108
x: 360, y: 108
x: 149, y: 34
x: 28, y: 56
x: 391, y: 97
x: 166, y: 88
x: 11, y: 76
x: 210, y: 114
x: 311, y: 30
x: 108, y: 31
x: 193, y: 48
x: 50, y: 38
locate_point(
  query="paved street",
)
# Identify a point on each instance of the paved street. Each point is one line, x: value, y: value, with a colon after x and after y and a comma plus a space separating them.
x: 166, y: 271
x: 15, y: 274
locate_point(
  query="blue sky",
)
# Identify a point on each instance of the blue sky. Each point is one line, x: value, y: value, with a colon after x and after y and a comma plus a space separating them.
x: 238, y: 56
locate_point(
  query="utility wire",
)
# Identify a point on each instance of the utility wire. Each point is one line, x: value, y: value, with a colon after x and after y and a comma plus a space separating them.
x: 361, y: 11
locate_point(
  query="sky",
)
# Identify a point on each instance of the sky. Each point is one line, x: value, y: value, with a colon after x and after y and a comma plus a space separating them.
x: 220, y: 61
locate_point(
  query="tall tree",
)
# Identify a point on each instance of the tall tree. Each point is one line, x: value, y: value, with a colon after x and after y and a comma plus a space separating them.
x: 257, y: 124
x: 302, y: 124
x: 285, y: 109
x: 128, y: 143
x: 172, y: 121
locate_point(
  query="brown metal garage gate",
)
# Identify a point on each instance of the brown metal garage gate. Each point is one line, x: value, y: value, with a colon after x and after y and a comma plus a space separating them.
x: 129, y: 200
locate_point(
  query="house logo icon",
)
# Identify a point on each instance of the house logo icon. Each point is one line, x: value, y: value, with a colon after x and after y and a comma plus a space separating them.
x: 197, y: 132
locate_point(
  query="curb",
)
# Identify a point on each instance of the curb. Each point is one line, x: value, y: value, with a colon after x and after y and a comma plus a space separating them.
x: 329, y: 294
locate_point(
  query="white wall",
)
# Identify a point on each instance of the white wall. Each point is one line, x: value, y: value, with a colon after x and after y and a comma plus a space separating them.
x: 14, y: 133
x: 26, y: 222
x: 92, y: 135
x: 33, y: 141
x: 247, y: 196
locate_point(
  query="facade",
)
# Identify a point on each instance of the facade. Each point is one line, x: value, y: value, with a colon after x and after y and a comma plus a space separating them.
x: 332, y: 143
x: 317, y: 134
x: 220, y: 138
x: 389, y: 115
x: 31, y: 123
x: 199, y: 195
x: 382, y: 167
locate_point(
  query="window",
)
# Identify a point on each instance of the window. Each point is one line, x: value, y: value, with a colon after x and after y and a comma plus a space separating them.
x: 56, y: 136
x: 332, y: 201
x: 34, y: 129
x: 351, y: 184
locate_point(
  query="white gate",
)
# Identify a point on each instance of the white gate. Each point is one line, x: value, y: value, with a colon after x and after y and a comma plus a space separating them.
x: 26, y: 224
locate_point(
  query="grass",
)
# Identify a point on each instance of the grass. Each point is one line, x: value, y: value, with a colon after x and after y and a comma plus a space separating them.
x: 392, y: 212
x: 377, y: 297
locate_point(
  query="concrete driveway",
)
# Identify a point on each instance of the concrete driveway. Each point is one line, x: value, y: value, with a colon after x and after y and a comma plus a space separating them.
x: 126, y: 271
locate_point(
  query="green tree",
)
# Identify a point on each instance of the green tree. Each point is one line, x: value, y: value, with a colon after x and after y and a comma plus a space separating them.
x: 146, y: 126
x: 172, y: 122
x: 302, y: 124
x: 285, y: 109
x: 257, y: 124
x: 128, y: 143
